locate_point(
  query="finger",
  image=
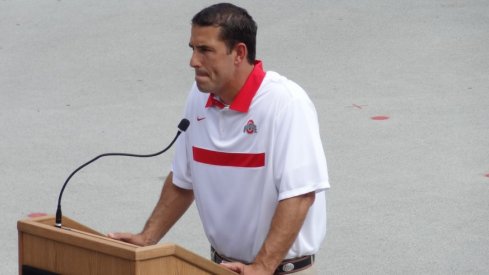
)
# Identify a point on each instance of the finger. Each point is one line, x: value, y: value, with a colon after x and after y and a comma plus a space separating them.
x: 120, y: 236
x: 234, y: 266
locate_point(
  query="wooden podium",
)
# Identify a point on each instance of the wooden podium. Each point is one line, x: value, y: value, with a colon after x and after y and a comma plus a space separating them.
x: 77, y: 249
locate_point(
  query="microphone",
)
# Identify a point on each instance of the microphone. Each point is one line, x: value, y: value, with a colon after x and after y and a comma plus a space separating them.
x: 182, y: 127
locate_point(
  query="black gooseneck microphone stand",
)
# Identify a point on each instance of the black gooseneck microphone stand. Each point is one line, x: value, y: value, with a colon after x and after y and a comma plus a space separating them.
x: 182, y: 127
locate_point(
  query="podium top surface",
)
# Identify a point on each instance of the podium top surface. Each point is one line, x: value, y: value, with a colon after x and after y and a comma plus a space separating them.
x: 74, y: 233
x: 78, y: 235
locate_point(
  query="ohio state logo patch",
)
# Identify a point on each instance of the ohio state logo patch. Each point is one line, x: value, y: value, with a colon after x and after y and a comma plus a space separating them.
x: 250, y: 127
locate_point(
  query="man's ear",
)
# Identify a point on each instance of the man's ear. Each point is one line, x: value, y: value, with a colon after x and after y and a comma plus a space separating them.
x: 241, y: 53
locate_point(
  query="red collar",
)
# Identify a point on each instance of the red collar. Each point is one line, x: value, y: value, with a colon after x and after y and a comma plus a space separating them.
x: 242, y: 101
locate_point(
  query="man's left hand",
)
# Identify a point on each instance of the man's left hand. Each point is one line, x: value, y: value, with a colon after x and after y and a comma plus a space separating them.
x: 252, y: 269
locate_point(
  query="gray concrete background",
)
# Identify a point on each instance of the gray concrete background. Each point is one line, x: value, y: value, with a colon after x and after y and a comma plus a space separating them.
x: 409, y: 194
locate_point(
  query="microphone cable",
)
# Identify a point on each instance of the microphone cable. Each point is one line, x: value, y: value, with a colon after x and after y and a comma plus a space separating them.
x: 182, y: 127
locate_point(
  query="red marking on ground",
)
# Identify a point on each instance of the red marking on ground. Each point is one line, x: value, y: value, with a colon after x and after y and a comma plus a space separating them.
x: 36, y: 214
x: 380, y: 117
x: 486, y: 175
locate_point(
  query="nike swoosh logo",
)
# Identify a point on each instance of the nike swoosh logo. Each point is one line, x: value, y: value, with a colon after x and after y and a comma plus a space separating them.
x: 200, y: 118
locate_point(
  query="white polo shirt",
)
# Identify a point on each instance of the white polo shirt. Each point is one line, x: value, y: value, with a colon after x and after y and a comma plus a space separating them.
x: 241, y: 160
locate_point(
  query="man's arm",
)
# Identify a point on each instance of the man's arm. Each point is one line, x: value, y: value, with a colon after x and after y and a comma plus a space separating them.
x: 286, y: 224
x: 173, y: 203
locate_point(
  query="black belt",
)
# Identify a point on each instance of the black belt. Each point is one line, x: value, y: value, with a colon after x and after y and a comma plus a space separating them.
x: 285, y: 267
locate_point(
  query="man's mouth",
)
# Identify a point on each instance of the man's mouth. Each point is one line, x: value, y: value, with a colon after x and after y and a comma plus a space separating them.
x: 200, y: 73
x: 201, y: 76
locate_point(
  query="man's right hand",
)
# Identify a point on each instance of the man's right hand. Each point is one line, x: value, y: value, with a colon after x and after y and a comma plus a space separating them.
x: 173, y: 202
x: 137, y: 239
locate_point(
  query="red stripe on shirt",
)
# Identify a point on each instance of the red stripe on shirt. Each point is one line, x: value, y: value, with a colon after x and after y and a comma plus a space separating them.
x: 228, y: 159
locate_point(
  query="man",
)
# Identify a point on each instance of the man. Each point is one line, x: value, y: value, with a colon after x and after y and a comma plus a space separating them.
x: 252, y: 157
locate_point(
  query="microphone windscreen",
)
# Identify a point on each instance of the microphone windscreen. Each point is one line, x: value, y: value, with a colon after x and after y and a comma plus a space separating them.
x: 183, y: 125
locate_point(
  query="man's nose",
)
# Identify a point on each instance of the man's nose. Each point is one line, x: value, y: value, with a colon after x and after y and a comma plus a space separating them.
x: 194, y: 60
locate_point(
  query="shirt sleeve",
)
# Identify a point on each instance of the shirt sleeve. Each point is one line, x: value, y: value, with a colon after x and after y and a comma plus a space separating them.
x: 182, y: 174
x: 180, y: 166
x: 300, y: 164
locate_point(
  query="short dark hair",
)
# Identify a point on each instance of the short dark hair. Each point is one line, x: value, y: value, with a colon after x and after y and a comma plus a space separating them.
x: 237, y: 26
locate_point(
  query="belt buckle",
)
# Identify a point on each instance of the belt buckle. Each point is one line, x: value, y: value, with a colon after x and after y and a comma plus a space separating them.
x: 288, y: 267
x: 294, y: 265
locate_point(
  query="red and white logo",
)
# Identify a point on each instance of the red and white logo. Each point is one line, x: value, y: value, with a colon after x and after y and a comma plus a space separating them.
x: 250, y: 127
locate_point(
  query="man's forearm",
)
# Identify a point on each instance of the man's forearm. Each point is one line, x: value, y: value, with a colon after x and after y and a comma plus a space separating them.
x: 286, y: 224
x: 173, y: 203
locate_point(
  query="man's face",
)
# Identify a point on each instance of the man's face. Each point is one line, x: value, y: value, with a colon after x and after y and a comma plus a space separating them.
x: 213, y: 63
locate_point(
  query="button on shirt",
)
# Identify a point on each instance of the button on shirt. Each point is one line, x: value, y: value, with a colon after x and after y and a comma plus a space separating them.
x: 241, y: 160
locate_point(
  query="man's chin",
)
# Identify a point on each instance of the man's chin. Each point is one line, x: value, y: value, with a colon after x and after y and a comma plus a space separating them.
x: 203, y: 88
